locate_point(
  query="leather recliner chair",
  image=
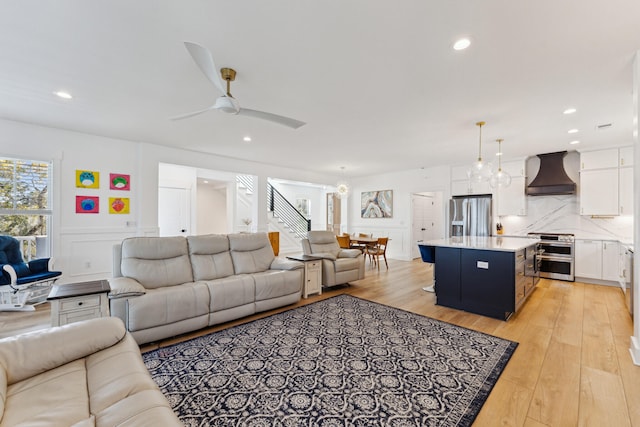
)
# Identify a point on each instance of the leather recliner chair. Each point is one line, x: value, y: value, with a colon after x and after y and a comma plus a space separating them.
x: 339, y: 265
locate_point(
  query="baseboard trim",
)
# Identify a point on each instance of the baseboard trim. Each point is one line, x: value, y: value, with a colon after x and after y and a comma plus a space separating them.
x: 635, y: 350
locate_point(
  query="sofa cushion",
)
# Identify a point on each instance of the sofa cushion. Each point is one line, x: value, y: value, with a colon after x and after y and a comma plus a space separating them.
x: 277, y: 283
x: 156, y: 261
x: 231, y: 292
x: 115, y: 374
x: 159, y: 307
x: 210, y: 256
x: 251, y: 252
x: 56, y: 397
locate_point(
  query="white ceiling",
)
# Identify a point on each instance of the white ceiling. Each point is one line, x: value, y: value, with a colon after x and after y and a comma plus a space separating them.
x: 376, y: 81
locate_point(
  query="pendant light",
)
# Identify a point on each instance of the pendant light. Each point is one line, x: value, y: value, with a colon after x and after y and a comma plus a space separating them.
x: 342, y: 188
x: 480, y: 171
x: 501, y: 178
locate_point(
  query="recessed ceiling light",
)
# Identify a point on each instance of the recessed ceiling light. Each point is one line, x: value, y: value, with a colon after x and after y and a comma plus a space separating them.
x: 574, y: 142
x: 572, y: 131
x: 569, y: 111
x: 63, y: 94
x: 205, y: 181
x: 462, y: 44
x: 247, y: 139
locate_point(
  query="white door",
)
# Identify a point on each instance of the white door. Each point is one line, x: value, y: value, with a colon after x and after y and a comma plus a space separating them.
x: 423, y: 221
x: 174, y: 211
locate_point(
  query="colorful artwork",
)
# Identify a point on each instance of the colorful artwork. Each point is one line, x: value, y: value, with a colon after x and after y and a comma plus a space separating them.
x: 87, y: 204
x: 118, y: 181
x: 118, y: 205
x: 376, y: 204
x: 87, y: 179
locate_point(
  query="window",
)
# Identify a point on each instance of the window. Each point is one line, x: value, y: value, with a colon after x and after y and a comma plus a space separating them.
x: 25, y: 206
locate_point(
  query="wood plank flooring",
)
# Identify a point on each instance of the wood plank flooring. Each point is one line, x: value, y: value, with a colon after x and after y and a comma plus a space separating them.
x: 572, y: 367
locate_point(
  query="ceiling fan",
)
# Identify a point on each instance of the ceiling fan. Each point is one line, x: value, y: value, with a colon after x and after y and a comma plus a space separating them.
x: 227, y: 103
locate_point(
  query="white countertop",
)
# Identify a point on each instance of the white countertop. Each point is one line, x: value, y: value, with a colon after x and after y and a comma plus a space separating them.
x: 493, y: 243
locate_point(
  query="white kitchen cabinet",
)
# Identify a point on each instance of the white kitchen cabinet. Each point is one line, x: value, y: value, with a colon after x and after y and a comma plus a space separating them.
x: 626, y: 191
x: 610, y: 261
x: 512, y: 200
x: 588, y: 259
x: 599, y: 192
x: 626, y: 156
x: 465, y: 187
x: 459, y: 173
x: 599, y: 159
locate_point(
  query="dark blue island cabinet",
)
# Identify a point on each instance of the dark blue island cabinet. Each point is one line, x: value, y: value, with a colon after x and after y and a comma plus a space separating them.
x: 492, y: 283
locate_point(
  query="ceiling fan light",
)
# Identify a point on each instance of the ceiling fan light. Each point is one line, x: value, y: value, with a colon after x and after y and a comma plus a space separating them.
x: 227, y: 104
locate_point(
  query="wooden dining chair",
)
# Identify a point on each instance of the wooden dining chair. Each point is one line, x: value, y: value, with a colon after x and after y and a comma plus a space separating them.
x: 380, y: 248
x: 344, y: 241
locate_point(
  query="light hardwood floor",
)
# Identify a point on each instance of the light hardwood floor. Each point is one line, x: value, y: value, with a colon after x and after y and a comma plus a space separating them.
x: 572, y: 366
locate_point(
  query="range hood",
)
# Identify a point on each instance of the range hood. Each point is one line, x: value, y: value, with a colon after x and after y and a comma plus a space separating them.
x: 552, y: 178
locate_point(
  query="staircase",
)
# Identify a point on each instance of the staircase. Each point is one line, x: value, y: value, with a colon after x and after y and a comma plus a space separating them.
x: 283, y: 216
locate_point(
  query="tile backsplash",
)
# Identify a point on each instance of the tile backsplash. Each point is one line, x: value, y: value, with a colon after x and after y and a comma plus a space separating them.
x: 560, y: 214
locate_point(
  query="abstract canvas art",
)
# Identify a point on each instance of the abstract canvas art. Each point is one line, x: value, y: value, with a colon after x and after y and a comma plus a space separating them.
x: 119, y: 181
x: 118, y: 205
x: 376, y: 204
x: 87, y: 204
x: 87, y: 179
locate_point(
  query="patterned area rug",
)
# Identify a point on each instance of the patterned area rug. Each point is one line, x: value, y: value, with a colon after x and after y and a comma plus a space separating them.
x: 343, y: 361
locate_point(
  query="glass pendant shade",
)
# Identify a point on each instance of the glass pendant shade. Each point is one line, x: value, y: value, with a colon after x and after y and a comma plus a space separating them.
x: 501, y: 178
x: 480, y: 171
x: 342, y: 188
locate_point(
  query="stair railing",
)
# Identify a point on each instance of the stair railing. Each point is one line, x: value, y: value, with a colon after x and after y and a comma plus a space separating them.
x: 284, y: 211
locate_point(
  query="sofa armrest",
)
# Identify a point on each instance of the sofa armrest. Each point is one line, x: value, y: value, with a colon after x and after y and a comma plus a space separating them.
x: 325, y: 255
x: 349, y: 253
x: 280, y: 263
x: 24, y: 356
x: 122, y: 287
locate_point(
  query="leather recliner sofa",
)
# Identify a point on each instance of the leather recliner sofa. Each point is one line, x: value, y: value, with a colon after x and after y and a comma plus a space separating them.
x: 82, y: 374
x: 166, y: 286
x: 339, y: 265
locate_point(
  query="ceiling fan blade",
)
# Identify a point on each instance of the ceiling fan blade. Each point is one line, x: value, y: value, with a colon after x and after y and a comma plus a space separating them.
x: 194, y: 113
x: 285, y: 121
x: 204, y: 60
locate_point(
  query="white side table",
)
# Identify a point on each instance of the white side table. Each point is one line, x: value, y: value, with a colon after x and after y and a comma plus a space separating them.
x: 79, y: 301
x: 312, y: 274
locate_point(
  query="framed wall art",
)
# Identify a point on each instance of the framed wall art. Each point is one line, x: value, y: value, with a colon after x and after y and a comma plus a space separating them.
x: 119, y: 181
x: 87, y: 204
x: 118, y: 205
x: 87, y: 179
x: 376, y: 204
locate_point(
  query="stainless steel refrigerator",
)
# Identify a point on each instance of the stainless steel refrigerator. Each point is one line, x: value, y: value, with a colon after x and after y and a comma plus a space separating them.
x: 470, y: 215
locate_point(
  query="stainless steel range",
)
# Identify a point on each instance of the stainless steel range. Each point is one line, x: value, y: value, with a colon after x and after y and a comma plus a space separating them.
x: 556, y: 255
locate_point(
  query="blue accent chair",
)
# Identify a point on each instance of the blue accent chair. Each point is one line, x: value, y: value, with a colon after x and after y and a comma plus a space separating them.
x: 18, y: 276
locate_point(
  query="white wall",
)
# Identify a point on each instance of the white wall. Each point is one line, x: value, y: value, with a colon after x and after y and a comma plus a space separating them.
x: 403, y: 184
x: 83, y: 243
x: 211, y: 210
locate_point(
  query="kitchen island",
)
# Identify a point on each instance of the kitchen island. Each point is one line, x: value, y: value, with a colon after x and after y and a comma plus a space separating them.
x: 491, y: 276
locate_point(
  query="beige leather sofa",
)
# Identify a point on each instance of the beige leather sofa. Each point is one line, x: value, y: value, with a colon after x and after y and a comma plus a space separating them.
x: 83, y: 374
x: 339, y: 265
x: 166, y: 286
